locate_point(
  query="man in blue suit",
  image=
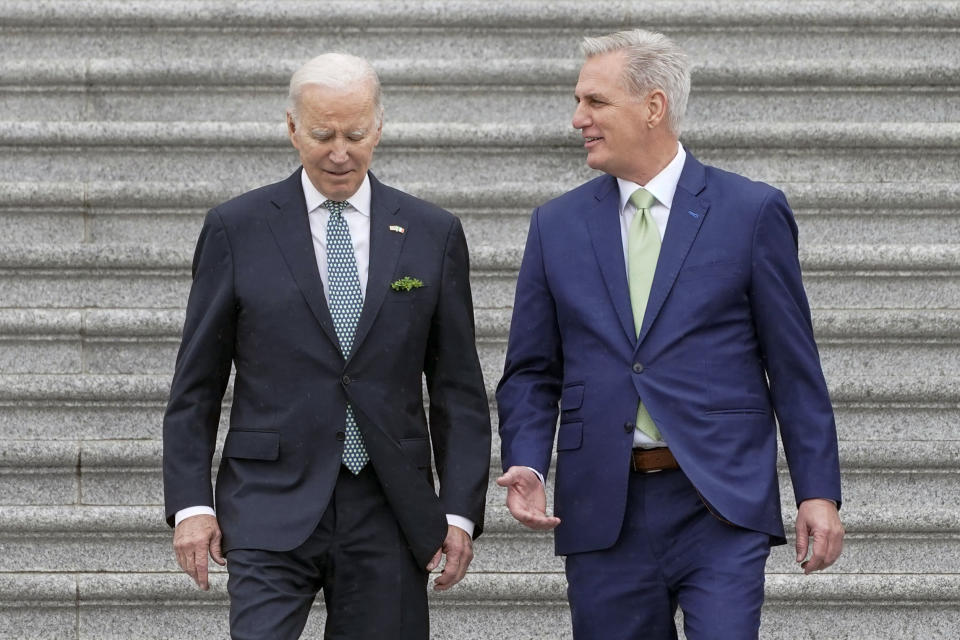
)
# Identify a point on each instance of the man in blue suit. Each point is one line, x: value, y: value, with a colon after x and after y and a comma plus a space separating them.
x: 661, y: 307
x: 333, y: 296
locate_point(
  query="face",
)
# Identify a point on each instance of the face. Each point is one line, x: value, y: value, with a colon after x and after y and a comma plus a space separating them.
x: 616, y: 125
x: 335, y: 132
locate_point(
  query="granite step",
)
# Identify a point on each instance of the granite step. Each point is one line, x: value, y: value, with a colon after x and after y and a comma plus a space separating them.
x: 171, y: 214
x: 244, y: 155
x: 914, y: 343
x: 227, y: 31
x: 119, y: 407
x: 150, y: 606
x: 467, y: 90
x: 92, y: 538
x: 143, y: 276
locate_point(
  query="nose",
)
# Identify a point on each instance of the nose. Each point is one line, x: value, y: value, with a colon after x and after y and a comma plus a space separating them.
x: 581, y: 118
x: 338, y: 152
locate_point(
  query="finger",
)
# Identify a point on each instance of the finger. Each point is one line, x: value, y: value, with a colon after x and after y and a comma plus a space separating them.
x: 435, y: 561
x: 534, y: 519
x: 815, y: 563
x: 201, y: 564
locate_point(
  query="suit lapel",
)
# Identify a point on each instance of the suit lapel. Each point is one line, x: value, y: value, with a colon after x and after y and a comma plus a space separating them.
x: 291, y: 229
x: 385, y: 246
x: 686, y: 215
x: 603, y: 221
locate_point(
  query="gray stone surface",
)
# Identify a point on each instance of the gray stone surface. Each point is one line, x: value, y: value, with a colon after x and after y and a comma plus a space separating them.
x: 850, y: 108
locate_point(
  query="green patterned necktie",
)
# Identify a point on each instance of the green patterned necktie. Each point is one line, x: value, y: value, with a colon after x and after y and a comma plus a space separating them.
x: 643, y: 249
x: 346, y: 301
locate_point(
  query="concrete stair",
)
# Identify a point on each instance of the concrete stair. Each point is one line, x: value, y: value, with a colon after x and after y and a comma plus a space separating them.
x: 121, y: 123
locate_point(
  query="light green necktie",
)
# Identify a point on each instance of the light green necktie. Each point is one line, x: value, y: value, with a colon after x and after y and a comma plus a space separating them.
x: 643, y: 249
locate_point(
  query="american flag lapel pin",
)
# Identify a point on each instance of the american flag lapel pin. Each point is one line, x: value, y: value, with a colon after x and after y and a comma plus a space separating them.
x: 397, y: 228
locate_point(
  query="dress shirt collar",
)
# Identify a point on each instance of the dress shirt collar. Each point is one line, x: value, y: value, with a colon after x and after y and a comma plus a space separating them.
x: 662, y: 186
x: 359, y: 200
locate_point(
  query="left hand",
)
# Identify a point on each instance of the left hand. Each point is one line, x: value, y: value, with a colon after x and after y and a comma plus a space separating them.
x: 818, y: 518
x: 458, y: 548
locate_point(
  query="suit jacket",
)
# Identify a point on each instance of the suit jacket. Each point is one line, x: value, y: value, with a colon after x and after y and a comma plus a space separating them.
x: 257, y: 302
x: 726, y: 344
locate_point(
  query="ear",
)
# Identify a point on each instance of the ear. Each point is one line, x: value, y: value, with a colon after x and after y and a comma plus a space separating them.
x: 656, y: 104
x: 376, y: 138
x: 292, y: 129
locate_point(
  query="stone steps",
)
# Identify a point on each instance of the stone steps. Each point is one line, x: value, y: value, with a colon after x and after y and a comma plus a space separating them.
x: 466, y: 90
x: 148, y: 605
x: 118, y: 407
x: 122, y: 122
x: 242, y: 155
x: 145, y: 276
x: 916, y: 539
x: 914, y: 343
x: 171, y: 214
x: 297, y: 30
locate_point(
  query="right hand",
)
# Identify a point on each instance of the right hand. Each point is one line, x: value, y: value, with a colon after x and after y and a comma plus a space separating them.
x: 193, y: 539
x: 527, y: 499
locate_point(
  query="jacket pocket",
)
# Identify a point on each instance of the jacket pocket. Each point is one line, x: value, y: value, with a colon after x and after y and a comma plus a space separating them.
x: 252, y: 445
x: 734, y: 412
x: 569, y: 436
x: 417, y: 451
x: 572, y: 397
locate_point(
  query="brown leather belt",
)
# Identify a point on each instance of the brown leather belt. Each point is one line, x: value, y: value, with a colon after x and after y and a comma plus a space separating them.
x: 658, y: 459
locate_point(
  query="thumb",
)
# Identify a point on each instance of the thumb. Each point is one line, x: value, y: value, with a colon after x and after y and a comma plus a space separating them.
x: 215, y: 551
x: 802, y: 541
x: 507, y: 478
x: 435, y: 561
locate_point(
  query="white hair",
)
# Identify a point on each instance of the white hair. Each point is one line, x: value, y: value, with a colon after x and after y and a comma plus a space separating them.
x: 335, y: 71
x: 654, y: 61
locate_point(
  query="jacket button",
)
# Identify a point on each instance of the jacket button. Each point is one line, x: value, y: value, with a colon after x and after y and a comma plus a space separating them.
x: 345, y: 379
x: 629, y: 427
x: 637, y: 367
x: 341, y: 436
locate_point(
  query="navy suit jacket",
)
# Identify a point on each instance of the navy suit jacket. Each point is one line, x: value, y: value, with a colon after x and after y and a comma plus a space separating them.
x: 257, y: 302
x: 726, y: 345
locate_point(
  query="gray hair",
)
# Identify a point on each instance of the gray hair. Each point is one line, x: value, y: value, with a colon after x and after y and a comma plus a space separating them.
x: 653, y: 62
x: 335, y: 71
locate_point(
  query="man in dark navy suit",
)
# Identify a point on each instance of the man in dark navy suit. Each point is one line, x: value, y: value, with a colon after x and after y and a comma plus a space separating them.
x: 661, y: 307
x: 333, y: 296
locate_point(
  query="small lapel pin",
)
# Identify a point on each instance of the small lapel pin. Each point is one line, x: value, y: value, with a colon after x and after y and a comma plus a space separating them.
x: 694, y: 215
x: 397, y: 228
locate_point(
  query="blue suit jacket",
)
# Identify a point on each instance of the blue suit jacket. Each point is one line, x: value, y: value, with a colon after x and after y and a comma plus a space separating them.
x: 726, y: 344
x: 257, y: 302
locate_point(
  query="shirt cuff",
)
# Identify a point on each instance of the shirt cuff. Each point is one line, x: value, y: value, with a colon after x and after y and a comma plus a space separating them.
x: 459, y: 521
x: 183, y: 514
x: 539, y: 475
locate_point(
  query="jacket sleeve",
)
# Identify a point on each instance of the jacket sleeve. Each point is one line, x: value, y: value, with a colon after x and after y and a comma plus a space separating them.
x: 797, y: 386
x: 201, y: 375
x: 529, y: 392
x: 459, y: 409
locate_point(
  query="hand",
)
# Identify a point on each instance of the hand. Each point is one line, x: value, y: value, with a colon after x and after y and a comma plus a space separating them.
x: 818, y: 518
x: 459, y: 550
x: 192, y: 540
x: 526, y: 498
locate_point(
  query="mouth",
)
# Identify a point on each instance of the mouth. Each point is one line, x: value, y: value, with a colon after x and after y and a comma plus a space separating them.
x: 590, y: 141
x: 338, y: 174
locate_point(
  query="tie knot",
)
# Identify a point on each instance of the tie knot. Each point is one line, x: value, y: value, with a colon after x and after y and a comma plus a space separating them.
x: 334, y: 207
x: 642, y: 199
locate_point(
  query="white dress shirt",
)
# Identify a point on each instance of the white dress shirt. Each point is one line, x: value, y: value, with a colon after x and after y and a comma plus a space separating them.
x: 357, y: 217
x: 662, y: 187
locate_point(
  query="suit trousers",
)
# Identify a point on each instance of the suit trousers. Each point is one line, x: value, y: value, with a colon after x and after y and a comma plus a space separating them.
x: 357, y: 557
x: 671, y: 550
